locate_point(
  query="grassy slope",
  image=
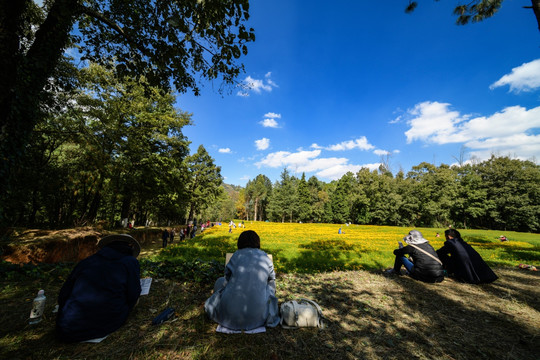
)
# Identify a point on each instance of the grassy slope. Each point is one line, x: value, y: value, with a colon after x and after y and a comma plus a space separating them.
x: 369, y: 315
x: 309, y: 248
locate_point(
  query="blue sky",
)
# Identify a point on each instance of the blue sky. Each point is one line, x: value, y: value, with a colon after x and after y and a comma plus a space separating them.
x: 337, y: 85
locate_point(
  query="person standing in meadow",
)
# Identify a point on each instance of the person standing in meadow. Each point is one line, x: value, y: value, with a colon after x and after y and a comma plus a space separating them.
x: 423, y: 263
x: 165, y: 237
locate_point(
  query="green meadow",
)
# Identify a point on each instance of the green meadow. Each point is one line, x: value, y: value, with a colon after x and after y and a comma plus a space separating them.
x: 312, y: 248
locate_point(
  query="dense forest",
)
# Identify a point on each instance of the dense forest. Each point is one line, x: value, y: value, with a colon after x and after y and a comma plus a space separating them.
x: 107, y: 149
x: 499, y: 193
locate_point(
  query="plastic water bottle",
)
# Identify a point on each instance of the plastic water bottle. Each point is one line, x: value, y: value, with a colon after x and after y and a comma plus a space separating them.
x: 38, y: 307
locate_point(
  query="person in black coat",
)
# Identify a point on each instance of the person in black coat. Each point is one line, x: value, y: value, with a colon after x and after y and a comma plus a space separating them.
x: 165, y: 237
x: 100, y: 292
x: 423, y: 263
x: 462, y: 261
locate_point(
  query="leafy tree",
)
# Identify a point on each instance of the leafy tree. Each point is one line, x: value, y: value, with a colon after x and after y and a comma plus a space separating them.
x: 240, y: 205
x: 361, y: 207
x: 478, y: 10
x: 304, y: 200
x: 471, y: 206
x: 102, y: 155
x: 283, y: 202
x: 203, y: 183
x: 258, y: 192
x: 160, y: 40
x: 434, y: 189
x: 318, y: 198
x: 342, y: 198
x: 513, y: 187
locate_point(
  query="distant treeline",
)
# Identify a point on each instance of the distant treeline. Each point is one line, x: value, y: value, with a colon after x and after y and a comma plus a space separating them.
x: 499, y: 193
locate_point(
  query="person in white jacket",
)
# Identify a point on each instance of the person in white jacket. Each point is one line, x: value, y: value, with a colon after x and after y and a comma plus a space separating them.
x: 245, y: 298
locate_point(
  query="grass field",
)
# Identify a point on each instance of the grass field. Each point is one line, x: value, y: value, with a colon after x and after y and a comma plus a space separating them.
x: 310, y: 248
x: 368, y: 315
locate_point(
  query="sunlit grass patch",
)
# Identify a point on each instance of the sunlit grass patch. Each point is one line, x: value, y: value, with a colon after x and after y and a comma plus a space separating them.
x: 311, y: 248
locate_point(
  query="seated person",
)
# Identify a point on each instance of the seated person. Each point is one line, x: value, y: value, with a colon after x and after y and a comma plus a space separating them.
x: 462, y: 261
x: 424, y: 264
x: 245, y: 298
x: 100, y: 292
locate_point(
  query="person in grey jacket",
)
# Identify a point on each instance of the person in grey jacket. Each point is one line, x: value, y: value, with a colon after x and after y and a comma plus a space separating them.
x: 245, y: 298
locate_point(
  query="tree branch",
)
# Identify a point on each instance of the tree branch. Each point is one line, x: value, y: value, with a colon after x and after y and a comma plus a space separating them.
x: 100, y: 17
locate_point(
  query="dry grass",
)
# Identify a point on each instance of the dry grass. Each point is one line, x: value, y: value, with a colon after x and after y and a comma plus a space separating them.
x: 369, y: 316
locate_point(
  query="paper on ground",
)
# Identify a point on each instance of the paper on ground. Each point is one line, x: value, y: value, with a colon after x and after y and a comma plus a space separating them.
x: 96, y: 340
x: 145, y: 285
x: 224, y: 330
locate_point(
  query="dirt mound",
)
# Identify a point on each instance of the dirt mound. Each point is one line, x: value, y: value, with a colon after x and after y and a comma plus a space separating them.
x: 69, y: 245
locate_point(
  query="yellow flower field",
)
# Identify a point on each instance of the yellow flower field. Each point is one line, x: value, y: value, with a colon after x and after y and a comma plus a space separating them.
x: 308, y: 248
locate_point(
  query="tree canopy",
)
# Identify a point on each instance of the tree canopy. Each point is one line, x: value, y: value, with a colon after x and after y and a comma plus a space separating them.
x: 498, y: 193
x: 479, y: 10
x: 169, y: 43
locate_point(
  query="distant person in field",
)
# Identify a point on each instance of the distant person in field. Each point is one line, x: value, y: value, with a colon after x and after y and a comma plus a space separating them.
x: 165, y: 237
x: 100, y: 292
x: 245, y: 298
x: 422, y: 264
x: 463, y: 262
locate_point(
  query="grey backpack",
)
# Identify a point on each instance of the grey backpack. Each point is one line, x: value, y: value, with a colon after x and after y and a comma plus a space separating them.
x: 304, y: 313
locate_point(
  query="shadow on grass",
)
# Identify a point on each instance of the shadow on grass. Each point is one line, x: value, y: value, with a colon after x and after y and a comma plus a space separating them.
x: 409, y: 319
x: 369, y: 316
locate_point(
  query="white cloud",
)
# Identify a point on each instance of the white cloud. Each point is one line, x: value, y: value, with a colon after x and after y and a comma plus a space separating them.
x: 337, y: 171
x: 262, y: 144
x: 225, y: 150
x: 245, y: 177
x: 269, y: 123
x: 521, y: 146
x: 360, y: 143
x: 285, y: 158
x: 396, y: 120
x: 381, y: 152
x: 507, y: 132
x: 308, y: 161
x: 257, y: 86
x: 432, y: 122
x: 272, y: 115
x: 525, y: 77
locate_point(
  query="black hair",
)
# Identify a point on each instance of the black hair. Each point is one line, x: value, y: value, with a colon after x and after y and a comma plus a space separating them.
x: 453, y: 233
x: 249, y: 239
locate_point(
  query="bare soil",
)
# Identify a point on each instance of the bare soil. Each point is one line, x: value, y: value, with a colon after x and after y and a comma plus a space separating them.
x: 67, y: 245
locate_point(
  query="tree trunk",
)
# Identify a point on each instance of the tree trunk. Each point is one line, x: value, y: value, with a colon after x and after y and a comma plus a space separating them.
x: 255, y: 209
x: 24, y: 76
x: 126, y: 204
x: 191, y: 212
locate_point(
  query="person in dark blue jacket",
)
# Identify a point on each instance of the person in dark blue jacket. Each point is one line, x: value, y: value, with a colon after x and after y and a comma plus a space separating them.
x: 100, y: 292
x: 463, y: 262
